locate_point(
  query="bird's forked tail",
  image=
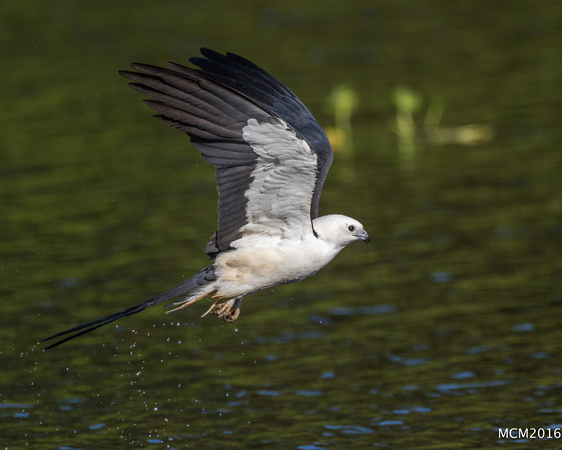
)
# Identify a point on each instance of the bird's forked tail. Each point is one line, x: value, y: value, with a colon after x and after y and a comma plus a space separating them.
x: 198, y: 286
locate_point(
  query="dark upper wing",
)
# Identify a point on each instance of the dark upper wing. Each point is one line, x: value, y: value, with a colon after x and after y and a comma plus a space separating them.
x: 261, y: 139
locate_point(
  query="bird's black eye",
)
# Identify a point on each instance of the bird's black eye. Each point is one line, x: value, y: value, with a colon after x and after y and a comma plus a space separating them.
x: 351, y: 228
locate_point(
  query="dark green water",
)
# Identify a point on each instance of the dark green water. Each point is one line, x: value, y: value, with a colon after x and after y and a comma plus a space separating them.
x: 443, y: 330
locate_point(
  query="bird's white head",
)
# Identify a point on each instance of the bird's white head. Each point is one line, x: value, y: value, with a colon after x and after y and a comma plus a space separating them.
x: 339, y: 230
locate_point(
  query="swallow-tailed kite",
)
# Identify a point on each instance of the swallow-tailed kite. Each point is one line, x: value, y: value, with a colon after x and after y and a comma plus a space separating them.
x: 271, y: 158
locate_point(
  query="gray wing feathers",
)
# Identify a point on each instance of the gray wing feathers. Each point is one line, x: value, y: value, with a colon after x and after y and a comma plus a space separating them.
x: 254, y: 82
x: 282, y: 185
x: 203, y: 109
x: 213, y: 116
x: 232, y: 183
x: 214, y: 105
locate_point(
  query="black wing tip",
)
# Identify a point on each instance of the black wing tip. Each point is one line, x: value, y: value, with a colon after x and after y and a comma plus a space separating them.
x: 209, y: 53
x: 146, y: 69
x: 127, y: 73
x: 141, y: 66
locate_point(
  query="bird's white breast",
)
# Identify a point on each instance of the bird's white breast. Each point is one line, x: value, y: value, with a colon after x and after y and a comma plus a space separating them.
x: 245, y: 270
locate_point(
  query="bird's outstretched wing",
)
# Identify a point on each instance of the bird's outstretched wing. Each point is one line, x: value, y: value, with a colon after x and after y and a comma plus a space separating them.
x: 271, y: 156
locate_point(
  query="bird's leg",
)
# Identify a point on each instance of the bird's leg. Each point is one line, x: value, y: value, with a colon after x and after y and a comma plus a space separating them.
x: 228, y: 310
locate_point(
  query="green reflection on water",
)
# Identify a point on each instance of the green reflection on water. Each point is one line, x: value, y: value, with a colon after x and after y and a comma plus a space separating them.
x: 103, y: 207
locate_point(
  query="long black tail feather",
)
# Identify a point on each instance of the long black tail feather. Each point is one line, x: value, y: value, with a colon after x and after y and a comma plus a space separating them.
x: 203, y: 277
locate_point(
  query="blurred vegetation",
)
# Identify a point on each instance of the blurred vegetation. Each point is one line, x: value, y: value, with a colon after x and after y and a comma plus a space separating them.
x: 409, y: 103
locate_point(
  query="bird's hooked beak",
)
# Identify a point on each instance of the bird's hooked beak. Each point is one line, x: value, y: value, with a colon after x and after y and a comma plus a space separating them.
x: 364, y: 237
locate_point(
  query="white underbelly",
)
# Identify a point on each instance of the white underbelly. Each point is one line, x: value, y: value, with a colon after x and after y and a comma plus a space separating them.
x: 242, y: 272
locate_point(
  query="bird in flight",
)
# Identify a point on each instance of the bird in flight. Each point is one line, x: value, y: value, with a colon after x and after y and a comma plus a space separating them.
x: 271, y: 158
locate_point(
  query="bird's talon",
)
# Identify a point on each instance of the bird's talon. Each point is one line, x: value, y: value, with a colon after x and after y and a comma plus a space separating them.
x: 232, y: 315
x: 221, y: 309
x: 229, y: 310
